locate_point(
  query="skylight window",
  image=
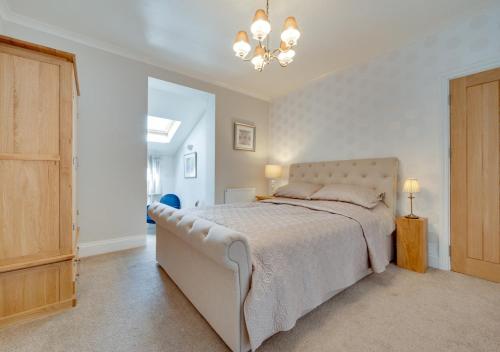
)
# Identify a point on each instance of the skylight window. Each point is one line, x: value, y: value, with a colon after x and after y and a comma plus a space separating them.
x: 161, y: 130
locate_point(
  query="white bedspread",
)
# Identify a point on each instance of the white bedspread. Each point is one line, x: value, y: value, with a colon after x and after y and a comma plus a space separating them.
x: 302, y: 253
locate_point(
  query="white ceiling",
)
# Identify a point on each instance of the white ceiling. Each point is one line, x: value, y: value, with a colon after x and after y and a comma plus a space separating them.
x: 175, y: 102
x: 195, y: 36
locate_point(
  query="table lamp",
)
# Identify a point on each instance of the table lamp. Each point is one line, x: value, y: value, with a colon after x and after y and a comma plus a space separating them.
x: 273, y: 172
x: 411, y: 186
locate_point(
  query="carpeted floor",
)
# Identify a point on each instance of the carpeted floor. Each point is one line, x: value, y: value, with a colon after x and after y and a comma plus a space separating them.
x: 127, y: 303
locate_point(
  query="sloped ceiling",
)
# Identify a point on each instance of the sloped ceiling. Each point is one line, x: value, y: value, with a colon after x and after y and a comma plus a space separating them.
x: 175, y: 102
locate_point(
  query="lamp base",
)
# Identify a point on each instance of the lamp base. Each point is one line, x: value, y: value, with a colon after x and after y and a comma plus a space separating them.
x: 412, y: 216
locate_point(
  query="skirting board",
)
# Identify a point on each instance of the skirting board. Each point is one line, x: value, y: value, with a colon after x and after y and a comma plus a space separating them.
x: 88, y: 249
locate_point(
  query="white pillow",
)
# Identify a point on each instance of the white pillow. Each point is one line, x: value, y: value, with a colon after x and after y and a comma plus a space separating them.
x: 360, y: 195
x: 299, y: 190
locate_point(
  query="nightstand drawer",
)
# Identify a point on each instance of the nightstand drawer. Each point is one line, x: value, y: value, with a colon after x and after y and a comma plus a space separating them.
x: 412, y: 244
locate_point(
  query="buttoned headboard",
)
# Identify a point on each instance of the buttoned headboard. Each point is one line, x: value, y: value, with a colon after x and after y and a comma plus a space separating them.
x: 380, y: 174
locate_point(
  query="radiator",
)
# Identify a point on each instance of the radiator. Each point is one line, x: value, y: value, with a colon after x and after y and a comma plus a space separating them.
x: 239, y: 195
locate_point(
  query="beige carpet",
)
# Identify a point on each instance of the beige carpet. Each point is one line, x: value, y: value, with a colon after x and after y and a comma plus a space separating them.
x: 127, y: 303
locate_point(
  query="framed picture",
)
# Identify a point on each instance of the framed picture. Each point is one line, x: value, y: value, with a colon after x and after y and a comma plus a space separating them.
x: 244, y: 137
x: 190, y: 165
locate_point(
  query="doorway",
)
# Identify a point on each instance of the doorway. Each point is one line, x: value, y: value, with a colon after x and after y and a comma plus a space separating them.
x: 475, y: 166
x: 180, y: 145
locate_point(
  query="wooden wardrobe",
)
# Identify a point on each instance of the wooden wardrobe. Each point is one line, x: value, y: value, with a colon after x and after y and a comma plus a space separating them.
x: 38, y: 94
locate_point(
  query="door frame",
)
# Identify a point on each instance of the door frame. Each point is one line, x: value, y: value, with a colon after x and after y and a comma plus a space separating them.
x: 445, y: 239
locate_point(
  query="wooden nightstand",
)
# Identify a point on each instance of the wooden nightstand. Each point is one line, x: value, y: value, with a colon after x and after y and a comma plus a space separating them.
x: 263, y: 197
x: 411, y: 241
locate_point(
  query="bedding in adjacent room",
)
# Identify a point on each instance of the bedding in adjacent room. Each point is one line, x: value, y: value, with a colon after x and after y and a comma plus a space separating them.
x: 303, y: 252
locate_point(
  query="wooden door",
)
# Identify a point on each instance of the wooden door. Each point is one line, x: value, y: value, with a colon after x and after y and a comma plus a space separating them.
x: 35, y: 156
x: 475, y: 165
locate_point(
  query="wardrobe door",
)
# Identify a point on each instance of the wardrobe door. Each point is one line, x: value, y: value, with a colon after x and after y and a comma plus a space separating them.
x: 35, y: 156
x: 35, y: 291
x: 475, y: 177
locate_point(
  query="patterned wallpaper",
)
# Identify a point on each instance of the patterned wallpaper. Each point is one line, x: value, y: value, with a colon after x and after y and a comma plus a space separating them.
x: 395, y: 105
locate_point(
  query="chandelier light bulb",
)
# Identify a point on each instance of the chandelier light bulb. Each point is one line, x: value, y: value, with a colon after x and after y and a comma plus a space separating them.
x: 291, y: 33
x: 286, y: 54
x: 241, y: 46
x: 260, y: 27
x: 258, y: 60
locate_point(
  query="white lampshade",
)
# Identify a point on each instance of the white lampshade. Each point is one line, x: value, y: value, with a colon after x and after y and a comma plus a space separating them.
x: 273, y: 171
x: 260, y: 27
x: 291, y: 33
x: 258, y: 60
x: 411, y: 186
x: 241, y: 46
x: 286, y: 55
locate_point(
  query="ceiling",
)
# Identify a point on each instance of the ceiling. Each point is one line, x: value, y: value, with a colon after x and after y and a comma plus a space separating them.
x: 195, y: 37
x: 175, y: 102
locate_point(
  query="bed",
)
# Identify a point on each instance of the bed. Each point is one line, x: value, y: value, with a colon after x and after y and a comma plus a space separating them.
x: 253, y: 269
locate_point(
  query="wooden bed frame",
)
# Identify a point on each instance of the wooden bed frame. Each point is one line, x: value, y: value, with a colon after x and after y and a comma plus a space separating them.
x: 211, y: 264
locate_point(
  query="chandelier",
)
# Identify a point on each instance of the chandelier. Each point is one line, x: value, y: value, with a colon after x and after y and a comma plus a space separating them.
x: 260, y: 28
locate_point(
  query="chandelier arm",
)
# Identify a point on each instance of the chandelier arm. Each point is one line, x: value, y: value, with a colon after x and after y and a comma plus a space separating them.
x: 267, y: 13
x: 268, y: 59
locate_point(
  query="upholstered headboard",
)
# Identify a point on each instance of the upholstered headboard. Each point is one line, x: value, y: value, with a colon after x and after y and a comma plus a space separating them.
x: 380, y: 174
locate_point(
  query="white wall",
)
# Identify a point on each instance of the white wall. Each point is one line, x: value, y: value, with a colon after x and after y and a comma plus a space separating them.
x: 236, y: 168
x: 112, y: 136
x: 167, y: 174
x: 396, y: 105
x: 192, y: 190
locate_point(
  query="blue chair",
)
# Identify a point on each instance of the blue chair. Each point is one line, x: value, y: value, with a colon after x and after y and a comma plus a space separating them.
x: 171, y: 200
x: 168, y: 199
